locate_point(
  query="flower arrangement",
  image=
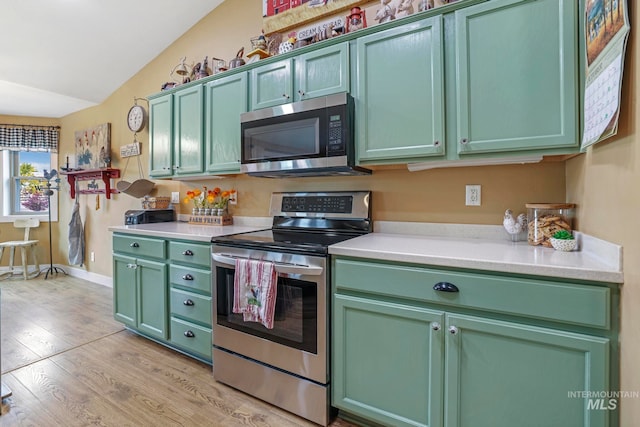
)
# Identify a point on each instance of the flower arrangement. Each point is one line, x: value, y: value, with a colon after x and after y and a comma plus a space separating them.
x: 209, y: 199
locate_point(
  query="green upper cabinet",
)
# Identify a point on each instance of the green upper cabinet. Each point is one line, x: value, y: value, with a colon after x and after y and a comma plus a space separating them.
x: 516, y: 76
x: 176, y: 133
x: 399, y: 97
x: 272, y: 84
x: 188, y: 131
x: 317, y: 73
x: 322, y: 72
x: 161, y: 136
x: 225, y: 100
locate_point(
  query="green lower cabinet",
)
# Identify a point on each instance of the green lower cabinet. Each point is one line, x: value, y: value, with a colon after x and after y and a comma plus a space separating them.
x: 405, y: 353
x: 140, y: 294
x: 388, y: 362
x: 503, y: 374
x: 125, y: 290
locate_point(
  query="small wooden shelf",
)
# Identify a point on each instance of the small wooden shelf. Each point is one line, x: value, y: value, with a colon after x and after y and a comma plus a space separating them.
x: 105, y: 174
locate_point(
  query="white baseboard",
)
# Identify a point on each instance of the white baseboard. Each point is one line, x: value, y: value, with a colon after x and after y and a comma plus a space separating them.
x: 87, y: 275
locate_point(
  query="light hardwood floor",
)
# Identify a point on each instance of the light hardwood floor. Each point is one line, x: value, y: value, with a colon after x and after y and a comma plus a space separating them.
x: 68, y: 363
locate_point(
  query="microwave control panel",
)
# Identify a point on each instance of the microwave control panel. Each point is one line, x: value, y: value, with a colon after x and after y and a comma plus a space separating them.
x: 336, y: 143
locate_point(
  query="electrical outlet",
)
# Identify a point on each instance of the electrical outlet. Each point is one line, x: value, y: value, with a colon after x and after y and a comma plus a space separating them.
x: 473, y: 195
x: 175, y: 197
x: 233, y: 198
x: 93, y: 256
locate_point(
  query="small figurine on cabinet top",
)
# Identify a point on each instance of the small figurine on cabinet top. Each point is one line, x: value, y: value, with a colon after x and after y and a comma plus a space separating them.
x: 287, y: 46
x: 405, y: 8
x: 356, y: 21
x: 386, y: 13
x: 425, y: 5
x: 203, y: 72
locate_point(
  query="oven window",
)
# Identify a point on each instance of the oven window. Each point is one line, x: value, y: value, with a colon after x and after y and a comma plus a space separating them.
x: 296, y: 312
x: 284, y: 140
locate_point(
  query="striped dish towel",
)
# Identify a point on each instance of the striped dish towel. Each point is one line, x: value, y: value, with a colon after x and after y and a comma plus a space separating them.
x: 255, y: 285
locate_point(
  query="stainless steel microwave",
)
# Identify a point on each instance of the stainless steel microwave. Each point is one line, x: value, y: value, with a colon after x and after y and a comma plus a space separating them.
x: 314, y: 137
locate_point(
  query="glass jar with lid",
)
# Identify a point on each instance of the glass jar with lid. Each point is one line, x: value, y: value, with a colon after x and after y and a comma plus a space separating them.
x: 545, y: 219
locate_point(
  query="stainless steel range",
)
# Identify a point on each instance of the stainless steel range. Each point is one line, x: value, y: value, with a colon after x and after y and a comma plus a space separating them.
x: 286, y: 365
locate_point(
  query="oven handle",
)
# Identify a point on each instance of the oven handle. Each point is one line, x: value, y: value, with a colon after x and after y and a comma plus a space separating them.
x: 281, y: 267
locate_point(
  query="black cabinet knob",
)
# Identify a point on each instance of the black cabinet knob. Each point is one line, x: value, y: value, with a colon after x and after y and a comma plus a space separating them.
x: 188, y: 302
x: 188, y: 252
x: 187, y: 277
x: 134, y: 245
x: 445, y: 287
x: 189, y: 334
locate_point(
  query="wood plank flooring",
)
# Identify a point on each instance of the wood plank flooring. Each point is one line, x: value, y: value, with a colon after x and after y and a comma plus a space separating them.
x: 68, y: 363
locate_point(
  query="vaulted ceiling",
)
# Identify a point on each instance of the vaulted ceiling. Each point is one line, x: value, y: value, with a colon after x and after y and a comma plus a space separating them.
x: 61, y: 56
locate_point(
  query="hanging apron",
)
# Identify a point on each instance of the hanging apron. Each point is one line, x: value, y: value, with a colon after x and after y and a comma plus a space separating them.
x: 76, y: 236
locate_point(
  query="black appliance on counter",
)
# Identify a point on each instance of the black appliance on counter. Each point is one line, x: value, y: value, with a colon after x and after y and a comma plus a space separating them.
x: 289, y: 364
x: 148, y: 216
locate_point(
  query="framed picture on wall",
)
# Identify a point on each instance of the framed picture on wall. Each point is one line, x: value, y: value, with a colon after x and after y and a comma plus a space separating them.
x: 93, y: 147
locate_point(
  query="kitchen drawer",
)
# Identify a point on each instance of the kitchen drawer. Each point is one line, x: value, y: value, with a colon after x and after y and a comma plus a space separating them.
x: 191, y: 337
x: 564, y: 302
x: 190, y: 253
x: 139, y: 246
x: 190, y: 277
x: 190, y: 306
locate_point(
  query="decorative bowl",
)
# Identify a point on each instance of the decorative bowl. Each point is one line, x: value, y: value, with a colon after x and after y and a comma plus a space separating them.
x: 563, y: 244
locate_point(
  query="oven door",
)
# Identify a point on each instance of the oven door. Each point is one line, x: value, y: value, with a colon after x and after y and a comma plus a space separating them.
x: 298, y: 341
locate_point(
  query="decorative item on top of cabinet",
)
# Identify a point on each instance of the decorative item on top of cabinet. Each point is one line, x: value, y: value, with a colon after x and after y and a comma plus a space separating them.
x: 237, y: 61
x: 386, y: 13
x: 356, y: 20
x: 425, y: 5
x: 182, y: 70
x: 261, y: 47
x: 287, y: 45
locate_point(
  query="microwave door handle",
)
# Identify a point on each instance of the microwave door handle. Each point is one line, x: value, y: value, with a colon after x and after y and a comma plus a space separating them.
x: 281, y: 267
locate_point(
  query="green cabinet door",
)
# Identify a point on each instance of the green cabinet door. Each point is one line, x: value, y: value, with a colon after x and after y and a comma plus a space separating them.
x: 188, y: 131
x: 125, y: 299
x: 322, y: 72
x: 272, y: 84
x: 399, y: 98
x: 503, y: 374
x: 387, y: 361
x: 152, y: 298
x: 516, y: 75
x: 225, y: 100
x: 161, y: 136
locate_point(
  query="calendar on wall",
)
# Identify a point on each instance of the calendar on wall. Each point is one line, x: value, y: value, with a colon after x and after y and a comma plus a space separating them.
x: 606, y: 30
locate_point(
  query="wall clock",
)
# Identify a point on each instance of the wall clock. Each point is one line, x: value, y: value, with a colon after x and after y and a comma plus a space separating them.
x: 137, y: 118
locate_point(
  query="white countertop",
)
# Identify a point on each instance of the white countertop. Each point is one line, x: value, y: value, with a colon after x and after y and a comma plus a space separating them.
x: 478, y: 247
x: 596, y: 260
x: 184, y: 230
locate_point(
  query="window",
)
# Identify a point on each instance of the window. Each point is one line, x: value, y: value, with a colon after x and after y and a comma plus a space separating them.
x: 24, y: 185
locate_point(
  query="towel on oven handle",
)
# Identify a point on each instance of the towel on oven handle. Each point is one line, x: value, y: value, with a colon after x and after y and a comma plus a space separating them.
x: 255, y: 286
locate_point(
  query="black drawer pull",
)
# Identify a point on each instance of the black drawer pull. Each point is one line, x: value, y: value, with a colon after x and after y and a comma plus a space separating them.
x: 445, y: 287
x: 188, y: 252
x: 187, y: 277
x: 134, y: 245
x: 189, y: 334
x: 188, y: 302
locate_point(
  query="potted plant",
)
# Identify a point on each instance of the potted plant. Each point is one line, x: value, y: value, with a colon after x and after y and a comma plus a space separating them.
x: 563, y: 240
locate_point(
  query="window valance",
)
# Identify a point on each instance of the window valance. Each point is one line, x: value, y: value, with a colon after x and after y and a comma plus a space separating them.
x: 29, y: 138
